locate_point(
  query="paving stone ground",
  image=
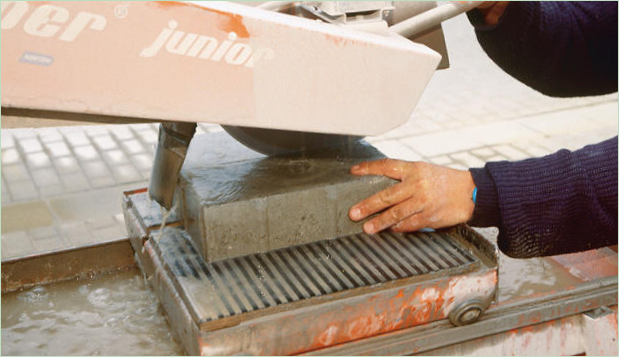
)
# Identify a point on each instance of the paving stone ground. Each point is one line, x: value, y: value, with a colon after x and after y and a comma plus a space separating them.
x: 61, y: 187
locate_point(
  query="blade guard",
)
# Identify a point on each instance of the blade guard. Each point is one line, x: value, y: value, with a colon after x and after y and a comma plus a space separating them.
x: 218, y: 62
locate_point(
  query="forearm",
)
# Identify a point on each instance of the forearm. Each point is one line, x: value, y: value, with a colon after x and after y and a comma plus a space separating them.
x: 564, y: 202
x: 558, y: 48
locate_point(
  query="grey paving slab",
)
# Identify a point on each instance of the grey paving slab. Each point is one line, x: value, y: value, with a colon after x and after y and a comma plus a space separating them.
x: 10, y: 156
x: 105, y: 142
x: 6, y: 140
x: 45, y: 177
x: 23, y: 191
x: 15, y: 173
x: 86, y: 152
x: 30, y: 145
x: 17, y: 244
x: 96, y: 169
x: 26, y: 216
x: 510, y: 152
x: 58, y: 148
x: 66, y: 165
x: 468, y: 160
x: 74, y: 182
x: 234, y: 208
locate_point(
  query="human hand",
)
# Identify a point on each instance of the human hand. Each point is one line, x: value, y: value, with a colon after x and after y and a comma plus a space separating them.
x: 428, y: 196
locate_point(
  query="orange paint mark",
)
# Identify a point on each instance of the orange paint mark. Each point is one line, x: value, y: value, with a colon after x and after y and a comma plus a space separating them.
x: 328, y: 336
x: 338, y: 41
x: 229, y: 23
x: 400, y: 294
x: 366, y: 326
x: 234, y: 24
x: 173, y: 4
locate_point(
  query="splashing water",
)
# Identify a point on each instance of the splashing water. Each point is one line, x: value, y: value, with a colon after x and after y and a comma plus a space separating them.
x: 113, y: 315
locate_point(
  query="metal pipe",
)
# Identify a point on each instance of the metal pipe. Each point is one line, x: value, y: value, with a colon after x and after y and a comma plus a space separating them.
x: 276, y: 6
x: 433, y: 17
x: 174, y: 139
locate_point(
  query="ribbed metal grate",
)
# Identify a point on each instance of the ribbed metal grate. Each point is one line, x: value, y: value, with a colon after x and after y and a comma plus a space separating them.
x: 235, y: 286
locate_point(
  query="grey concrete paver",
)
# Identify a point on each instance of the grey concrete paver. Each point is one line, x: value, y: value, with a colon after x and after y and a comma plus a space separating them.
x: 510, y: 152
x: 86, y: 152
x: 6, y: 142
x: 470, y: 114
x: 96, y: 169
x: 57, y: 148
x: 468, y: 160
x: 66, y: 165
x: 45, y: 177
x: 10, y: 156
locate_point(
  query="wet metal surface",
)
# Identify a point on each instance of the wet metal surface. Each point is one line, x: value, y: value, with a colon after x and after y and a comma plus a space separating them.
x: 521, y: 278
x: 525, y: 277
x: 112, y: 315
x: 505, y: 322
x: 67, y: 264
x: 239, y: 285
x: 316, y: 295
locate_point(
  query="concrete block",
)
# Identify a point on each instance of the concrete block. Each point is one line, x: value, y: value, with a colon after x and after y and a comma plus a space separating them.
x: 238, y: 202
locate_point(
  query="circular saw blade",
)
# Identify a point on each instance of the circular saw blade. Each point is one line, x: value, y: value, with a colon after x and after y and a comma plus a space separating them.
x: 273, y: 142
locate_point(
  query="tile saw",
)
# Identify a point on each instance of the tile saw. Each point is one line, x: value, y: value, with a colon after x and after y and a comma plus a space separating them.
x: 335, y: 67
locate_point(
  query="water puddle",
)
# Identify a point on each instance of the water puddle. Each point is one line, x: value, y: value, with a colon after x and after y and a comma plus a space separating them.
x: 523, y: 277
x: 113, y: 315
x: 119, y: 315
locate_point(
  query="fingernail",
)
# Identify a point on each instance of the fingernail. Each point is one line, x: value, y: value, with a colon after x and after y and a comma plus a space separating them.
x: 355, y: 168
x: 355, y: 213
x: 368, y: 228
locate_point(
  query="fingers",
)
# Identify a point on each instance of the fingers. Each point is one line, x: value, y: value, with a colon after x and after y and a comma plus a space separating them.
x: 380, y: 201
x: 394, y: 169
x: 411, y: 224
x: 393, y: 216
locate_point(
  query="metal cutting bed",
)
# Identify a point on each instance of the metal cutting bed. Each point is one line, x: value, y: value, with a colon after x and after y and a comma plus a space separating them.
x: 307, y: 297
x: 266, y: 280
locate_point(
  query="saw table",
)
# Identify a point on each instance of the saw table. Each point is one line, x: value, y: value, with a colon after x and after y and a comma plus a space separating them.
x: 358, y: 294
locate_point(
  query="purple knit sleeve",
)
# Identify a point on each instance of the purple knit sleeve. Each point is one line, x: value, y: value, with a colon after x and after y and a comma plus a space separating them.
x: 564, y: 202
x: 561, y: 203
x: 559, y: 48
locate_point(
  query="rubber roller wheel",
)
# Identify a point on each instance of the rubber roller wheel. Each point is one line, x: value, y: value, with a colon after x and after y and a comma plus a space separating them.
x: 467, y: 312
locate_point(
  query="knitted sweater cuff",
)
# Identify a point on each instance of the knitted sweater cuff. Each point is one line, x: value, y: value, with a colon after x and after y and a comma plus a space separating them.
x: 486, y: 211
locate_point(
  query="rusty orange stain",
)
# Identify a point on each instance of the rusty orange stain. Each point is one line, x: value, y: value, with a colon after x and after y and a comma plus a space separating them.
x: 234, y: 24
x: 230, y: 23
x: 328, y: 336
x: 172, y: 4
x: 366, y: 326
x: 405, y: 308
x: 337, y: 40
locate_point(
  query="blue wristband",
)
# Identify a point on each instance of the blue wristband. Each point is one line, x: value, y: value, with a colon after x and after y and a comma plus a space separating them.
x: 475, y: 195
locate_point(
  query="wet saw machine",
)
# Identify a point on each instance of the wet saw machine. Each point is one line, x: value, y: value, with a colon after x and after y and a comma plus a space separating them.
x: 281, y: 78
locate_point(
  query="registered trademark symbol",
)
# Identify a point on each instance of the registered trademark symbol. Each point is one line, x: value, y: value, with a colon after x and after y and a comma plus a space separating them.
x: 121, y: 11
